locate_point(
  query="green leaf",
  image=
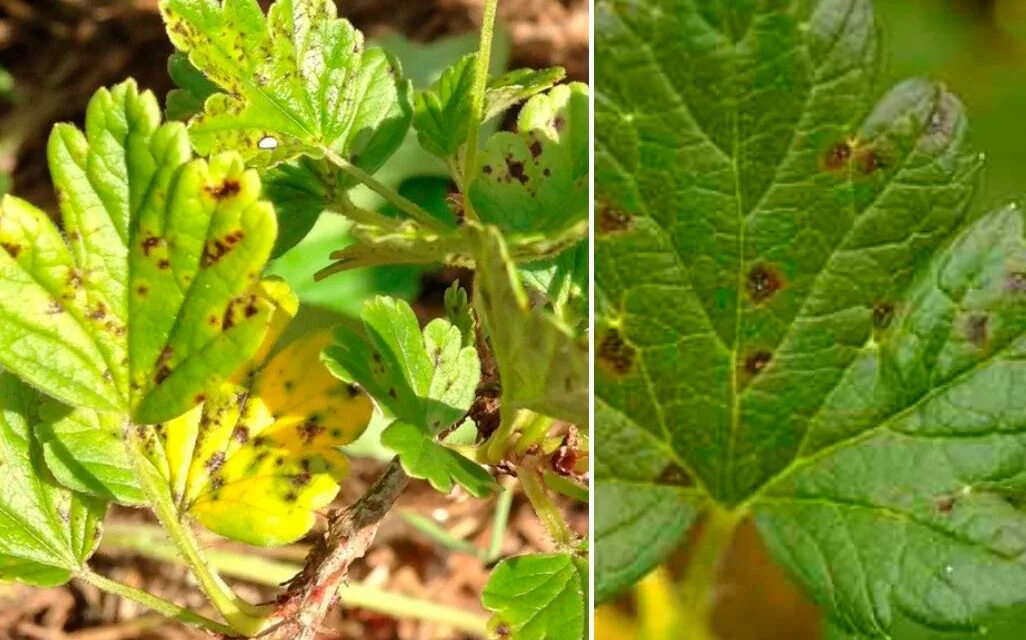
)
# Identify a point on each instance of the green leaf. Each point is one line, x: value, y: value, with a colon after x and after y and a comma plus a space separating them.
x: 798, y: 318
x: 425, y: 458
x: 193, y: 88
x: 151, y: 294
x: 443, y: 112
x: 563, y: 280
x: 543, y: 366
x: 536, y: 180
x: 540, y: 597
x: 299, y: 194
x: 460, y: 313
x: 47, y: 532
x: 295, y: 82
x: 425, y: 380
x: 513, y: 87
x: 85, y: 450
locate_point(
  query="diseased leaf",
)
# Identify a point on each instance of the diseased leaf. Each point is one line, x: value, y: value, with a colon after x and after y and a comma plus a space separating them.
x: 424, y: 457
x: 193, y: 88
x: 513, y: 87
x: 151, y: 294
x: 47, y: 532
x: 295, y: 81
x: 425, y: 380
x: 796, y: 315
x: 542, y: 365
x: 536, y: 180
x: 540, y: 597
x: 261, y: 455
x: 443, y: 112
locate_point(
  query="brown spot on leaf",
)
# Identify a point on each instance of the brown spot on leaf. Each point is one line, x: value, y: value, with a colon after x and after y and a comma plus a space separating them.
x: 757, y: 361
x: 611, y: 219
x: 142, y: 290
x: 215, y: 462
x: 149, y: 244
x: 535, y: 148
x: 163, y: 265
x: 301, y: 480
x: 977, y: 329
x: 199, y: 398
x: 162, y: 374
x: 837, y: 156
x: 309, y: 430
x: 868, y: 161
x: 516, y: 170
x: 763, y: 282
x: 12, y: 249
x: 883, y: 314
x: 224, y: 190
x: 614, y: 355
x: 944, y: 505
x: 241, y: 434
x: 99, y: 312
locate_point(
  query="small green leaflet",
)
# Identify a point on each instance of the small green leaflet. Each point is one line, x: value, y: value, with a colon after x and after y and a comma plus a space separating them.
x: 296, y: 81
x: 47, y: 532
x: 425, y: 379
x: 539, y: 597
x: 535, y: 181
x: 151, y: 294
x: 797, y: 317
x: 193, y: 89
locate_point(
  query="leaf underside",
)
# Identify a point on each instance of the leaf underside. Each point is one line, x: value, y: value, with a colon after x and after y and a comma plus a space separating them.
x: 796, y: 314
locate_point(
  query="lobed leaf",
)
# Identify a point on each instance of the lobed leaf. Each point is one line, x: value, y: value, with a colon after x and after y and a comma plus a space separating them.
x: 536, y: 180
x: 47, y: 532
x: 149, y: 295
x: 295, y: 82
x: 796, y: 315
x: 443, y: 112
x: 425, y: 380
x: 540, y: 597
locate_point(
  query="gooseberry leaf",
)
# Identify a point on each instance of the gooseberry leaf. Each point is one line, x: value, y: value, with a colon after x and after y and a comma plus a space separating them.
x: 797, y: 317
x: 513, y: 87
x: 295, y: 82
x: 150, y: 295
x: 539, y: 597
x: 47, y: 532
x: 543, y: 366
x: 535, y: 181
x: 193, y: 89
x: 460, y: 313
x: 425, y: 379
x: 443, y: 112
x: 261, y: 455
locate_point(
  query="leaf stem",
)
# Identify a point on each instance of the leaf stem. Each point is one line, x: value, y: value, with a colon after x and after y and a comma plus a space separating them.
x: 529, y: 475
x: 405, y: 205
x: 499, y: 524
x: 484, y: 55
x: 160, y: 605
x: 699, y: 587
x: 496, y: 446
x: 243, y: 617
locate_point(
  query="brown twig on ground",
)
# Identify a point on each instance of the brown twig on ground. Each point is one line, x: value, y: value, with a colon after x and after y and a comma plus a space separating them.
x: 300, y: 611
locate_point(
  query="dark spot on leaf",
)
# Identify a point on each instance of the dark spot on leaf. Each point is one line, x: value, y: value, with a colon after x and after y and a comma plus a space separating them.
x: 487, y: 169
x: 162, y: 374
x: 288, y: 385
x: 301, y: 480
x: 226, y: 189
x: 516, y: 170
x: 149, y: 244
x: 676, y: 476
x: 762, y: 283
x: 336, y: 433
x: 944, y: 505
x: 163, y: 265
x: 199, y: 398
x: 215, y: 462
x: 142, y: 290
x: 1016, y: 282
x: 611, y: 219
x: 216, y: 482
x: 99, y: 312
x: 54, y: 307
x: 977, y: 329
x: 241, y: 434
x: 12, y: 249
x: 614, y: 355
x: 535, y: 149
x: 559, y: 123
x: 757, y: 361
x: 251, y: 308
x: 309, y: 430
x: 212, y: 320
x: 869, y: 161
x: 883, y: 314
x: 837, y: 156
x: 352, y: 390
x: 392, y: 394
x: 291, y: 497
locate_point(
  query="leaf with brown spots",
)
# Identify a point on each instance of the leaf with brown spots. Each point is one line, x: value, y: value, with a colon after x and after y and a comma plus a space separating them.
x: 535, y: 181
x: 111, y: 315
x: 423, y: 379
x: 261, y: 455
x: 293, y: 82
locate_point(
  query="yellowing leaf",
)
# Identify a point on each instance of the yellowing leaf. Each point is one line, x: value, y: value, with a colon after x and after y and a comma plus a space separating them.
x: 260, y: 456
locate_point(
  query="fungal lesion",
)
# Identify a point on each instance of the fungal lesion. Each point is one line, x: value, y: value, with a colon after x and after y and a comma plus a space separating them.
x: 614, y: 355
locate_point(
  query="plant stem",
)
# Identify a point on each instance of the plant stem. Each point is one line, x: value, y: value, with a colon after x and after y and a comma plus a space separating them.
x: 243, y: 617
x: 699, y: 587
x: 530, y: 479
x: 496, y: 446
x: 161, y: 606
x: 149, y: 541
x: 533, y: 432
x: 484, y: 55
x: 499, y: 524
x: 405, y: 205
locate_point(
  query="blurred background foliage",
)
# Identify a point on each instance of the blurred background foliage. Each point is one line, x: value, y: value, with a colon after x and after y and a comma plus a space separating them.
x: 978, y: 49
